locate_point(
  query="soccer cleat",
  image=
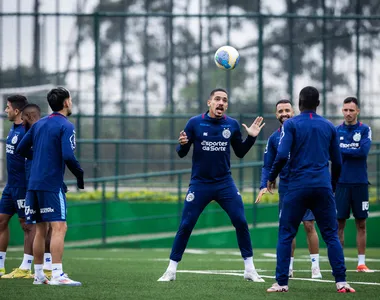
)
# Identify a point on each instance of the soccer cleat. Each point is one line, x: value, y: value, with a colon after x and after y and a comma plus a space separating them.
x: 252, y: 275
x: 316, y: 273
x: 290, y: 273
x: 43, y: 280
x: 364, y: 269
x: 278, y: 288
x: 168, y: 276
x: 48, y: 273
x: 18, y: 273
x: 64, y: 280
x: 2, y: 271
x: 344, y: 288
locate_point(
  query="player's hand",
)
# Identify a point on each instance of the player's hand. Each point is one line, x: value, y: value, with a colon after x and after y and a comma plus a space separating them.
x: 256, y: 127
x: 270, y: 186
x: 182, y: 140
x: 80, y: 183
x: 261, y: 194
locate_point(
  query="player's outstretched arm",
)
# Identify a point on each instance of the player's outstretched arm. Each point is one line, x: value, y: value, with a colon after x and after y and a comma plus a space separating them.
x: 255, y: 127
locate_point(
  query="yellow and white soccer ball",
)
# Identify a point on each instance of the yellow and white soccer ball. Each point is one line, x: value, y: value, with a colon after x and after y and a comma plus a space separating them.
x: 227, y: 58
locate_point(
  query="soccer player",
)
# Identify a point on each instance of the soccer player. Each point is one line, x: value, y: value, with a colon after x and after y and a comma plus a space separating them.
x: 352, y: 189
x: 13, y: 197
x: 311, y: 141
x: 31, y: 113
x: 212, y: 134
x: 53, y: 142
x: 284, y: 111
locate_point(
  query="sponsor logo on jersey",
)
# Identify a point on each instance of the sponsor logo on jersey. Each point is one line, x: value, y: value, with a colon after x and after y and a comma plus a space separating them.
x: 214, y: 146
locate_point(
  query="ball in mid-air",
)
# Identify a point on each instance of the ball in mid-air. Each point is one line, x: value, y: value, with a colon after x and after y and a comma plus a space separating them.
x: 227, y: 58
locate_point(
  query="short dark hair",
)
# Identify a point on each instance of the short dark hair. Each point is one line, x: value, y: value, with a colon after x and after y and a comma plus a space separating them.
x: 56, y: 97
x: 217, y: 90
x: 351, y: 100
x: 17, y: 101
x: 283, y: 101
x: 32, y: 106
x: 309, y: 97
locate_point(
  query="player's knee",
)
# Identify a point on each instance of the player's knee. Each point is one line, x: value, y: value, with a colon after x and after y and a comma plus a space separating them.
x: 28, y: 228
x: 187, y: 225
x: 309, y: 227
x: 239, y: 222
x: 58, y: 227
x: 361, y: 224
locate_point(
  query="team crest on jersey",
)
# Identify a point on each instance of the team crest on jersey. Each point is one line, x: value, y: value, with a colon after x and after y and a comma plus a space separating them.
x: 226, y: 133
x: 357, y: 137
x: 15, y: 139
x: 190, y: 197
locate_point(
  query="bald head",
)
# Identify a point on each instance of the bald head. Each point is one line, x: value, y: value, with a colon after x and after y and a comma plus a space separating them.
x: 31, y: 113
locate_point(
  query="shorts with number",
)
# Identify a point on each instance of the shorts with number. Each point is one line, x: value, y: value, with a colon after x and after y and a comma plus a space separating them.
x: 352, y: 197
x: 13, y: 201
x: 43, y: 206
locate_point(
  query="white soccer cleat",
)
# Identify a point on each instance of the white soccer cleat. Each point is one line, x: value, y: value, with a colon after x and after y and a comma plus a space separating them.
x: 252, y: 275
x: 278, y: 288
x: 168, y: 276
x: 290, y: 273
x: 64, y: 280
x: 39, y: 281
x: 316, y: 273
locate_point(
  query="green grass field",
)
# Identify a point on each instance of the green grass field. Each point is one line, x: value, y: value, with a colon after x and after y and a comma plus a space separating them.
x: 203, y: 274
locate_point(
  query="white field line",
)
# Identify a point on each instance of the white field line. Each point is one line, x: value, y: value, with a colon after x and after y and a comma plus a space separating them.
x: 264, y: 276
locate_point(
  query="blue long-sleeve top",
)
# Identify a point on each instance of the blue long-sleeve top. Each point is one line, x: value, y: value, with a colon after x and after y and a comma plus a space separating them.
x: 355, y: 143
x: 15, y: 162
x: 53, y: 142
x: 312, y: 141
x: 269, y: 157
x: 212, y: 139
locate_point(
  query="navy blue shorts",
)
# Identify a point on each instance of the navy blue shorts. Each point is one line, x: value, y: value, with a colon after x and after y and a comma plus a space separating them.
x: 13, y: 201
x: 352, y: 197
x: 308, y: 215
x: 43, y: 206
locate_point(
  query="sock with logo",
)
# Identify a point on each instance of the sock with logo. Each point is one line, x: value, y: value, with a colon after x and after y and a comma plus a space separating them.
x: 27, y: 262
x: 57, y: 270
x: 47, y: 261
x: 2, y: 259
x: 314, y: 260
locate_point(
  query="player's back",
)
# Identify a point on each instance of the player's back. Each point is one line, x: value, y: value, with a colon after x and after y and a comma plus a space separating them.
x: 48, y: 166
x: 310, y: 153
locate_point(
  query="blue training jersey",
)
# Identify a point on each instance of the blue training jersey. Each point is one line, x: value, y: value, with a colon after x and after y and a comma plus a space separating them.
x: 312, y: 141
x: 355, y: 143
x: 269, y: 157
x: 211, y: 152
x: 15, y: 162
x: 53, y: 141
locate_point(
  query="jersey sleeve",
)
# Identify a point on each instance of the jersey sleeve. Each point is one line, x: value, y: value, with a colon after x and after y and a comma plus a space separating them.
x: 182, y: 150
x: 283, y: 150
x: 364, y: 146
x: 335, y: 158
x: 68, y: 146
x: 25, y: 145
x: 239, y: 146
x: 269, y: 157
